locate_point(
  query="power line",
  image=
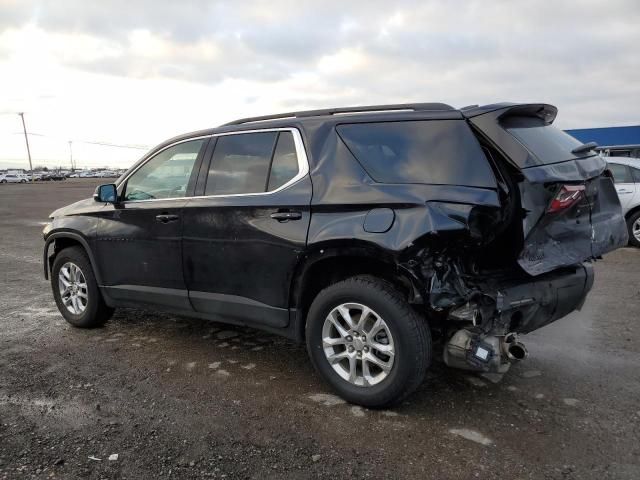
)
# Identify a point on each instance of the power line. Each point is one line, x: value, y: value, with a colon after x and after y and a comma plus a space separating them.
x: 106, y: 144
x: 91, y: 142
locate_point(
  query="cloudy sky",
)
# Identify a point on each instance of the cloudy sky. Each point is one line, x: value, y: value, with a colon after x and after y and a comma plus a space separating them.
x: 135, y: 72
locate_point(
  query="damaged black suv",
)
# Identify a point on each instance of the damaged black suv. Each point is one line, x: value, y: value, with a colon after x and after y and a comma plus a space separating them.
x: 377, y: 235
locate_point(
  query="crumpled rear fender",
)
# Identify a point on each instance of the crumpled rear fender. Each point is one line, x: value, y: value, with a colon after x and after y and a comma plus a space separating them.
x: 585, y: 232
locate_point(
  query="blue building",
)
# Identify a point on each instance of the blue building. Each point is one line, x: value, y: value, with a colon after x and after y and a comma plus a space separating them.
x: 614, y: 141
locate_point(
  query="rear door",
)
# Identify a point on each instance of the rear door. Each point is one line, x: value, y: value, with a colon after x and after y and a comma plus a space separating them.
x: 139, y: 239
x: 246, y: 230
x: 625, y: 185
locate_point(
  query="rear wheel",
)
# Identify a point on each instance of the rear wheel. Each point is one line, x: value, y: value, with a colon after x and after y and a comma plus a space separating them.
x: 367, y: 342
x: 76, y: 291
x: 634, y: 229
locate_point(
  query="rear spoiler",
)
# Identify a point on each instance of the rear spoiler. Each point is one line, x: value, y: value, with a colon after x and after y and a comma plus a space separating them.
x: 486, y: 121
x: 543, y: 111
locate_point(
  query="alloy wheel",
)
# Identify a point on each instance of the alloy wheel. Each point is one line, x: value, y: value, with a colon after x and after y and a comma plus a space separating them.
x: 358, y: 344
x: 73, y: 288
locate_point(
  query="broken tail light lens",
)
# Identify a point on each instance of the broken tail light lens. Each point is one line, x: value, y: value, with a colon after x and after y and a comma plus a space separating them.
x: 566, y: 197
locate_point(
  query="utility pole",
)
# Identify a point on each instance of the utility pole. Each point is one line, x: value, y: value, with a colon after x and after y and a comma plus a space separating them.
x: 26, y: 139
x: 73, y: 168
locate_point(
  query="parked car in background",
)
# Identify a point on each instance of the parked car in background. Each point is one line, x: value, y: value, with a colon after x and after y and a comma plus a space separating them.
x: 15, y: 178
x: 626, y: 177
x: 56, y: 177
x: 373, y: 234
x: 105, y: 174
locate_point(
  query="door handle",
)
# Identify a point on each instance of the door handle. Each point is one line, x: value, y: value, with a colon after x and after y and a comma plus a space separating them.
x: 165, y: 218
x: 286, y: 216
x: 624, y: 191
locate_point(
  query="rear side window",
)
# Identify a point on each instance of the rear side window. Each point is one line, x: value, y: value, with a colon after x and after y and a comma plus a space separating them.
x: 548, y: 143
x: 431, y: 152
x: 635, y: 172
x: 240, y: 163
x: 285, y: 161
x: 251, y: 163
x: 620, y: 173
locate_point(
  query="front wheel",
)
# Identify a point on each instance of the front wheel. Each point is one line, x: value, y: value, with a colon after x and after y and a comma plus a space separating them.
x: 367, y: 342
x: 76, y: 291
x: 633, y: 223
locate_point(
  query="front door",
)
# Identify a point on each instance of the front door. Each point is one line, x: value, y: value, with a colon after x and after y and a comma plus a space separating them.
x: 246, y: 231
x: 139, y: 239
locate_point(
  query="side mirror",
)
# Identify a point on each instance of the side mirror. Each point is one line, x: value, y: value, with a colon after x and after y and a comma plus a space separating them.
x: 106, y: 193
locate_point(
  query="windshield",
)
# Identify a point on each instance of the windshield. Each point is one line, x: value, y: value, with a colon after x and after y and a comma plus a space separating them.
x: 548, y: 143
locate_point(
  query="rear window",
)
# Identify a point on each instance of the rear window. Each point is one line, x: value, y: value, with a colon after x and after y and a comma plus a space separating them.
x: 548, y: 143
x: 432, y: 152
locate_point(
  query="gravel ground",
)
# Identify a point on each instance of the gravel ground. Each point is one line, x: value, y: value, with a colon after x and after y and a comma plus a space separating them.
x: 179, y: 398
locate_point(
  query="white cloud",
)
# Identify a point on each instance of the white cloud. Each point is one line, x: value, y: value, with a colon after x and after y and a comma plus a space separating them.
x: 86, y: 71
x: 344, y: 61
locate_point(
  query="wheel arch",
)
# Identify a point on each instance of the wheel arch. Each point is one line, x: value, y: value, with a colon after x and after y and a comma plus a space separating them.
x: 325, y: 266
x: 631, y: 212
x: 62, y: 240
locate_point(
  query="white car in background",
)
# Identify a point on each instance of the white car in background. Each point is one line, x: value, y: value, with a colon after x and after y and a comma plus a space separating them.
x: 14, y: 178
x: 626, y: 176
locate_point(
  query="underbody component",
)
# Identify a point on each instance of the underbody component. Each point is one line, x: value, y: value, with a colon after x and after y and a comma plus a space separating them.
x: 485, y: 311
x: 472, y: 350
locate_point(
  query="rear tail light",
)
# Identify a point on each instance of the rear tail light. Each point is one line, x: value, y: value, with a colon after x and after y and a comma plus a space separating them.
x: 568, y: 196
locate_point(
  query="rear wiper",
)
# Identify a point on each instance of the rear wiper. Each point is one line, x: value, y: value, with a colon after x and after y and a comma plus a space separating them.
x: 585, y: 147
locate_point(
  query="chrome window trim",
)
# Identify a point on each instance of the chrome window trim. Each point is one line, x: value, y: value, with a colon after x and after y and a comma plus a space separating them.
x: 301, y: 154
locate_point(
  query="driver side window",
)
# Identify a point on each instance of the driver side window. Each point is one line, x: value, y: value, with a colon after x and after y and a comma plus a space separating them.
x: 166, y: 175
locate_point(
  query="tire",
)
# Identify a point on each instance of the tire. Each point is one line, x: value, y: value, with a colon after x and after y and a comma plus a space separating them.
x: 89, y: 311
x: 410, y: 339
x: 633, y: 224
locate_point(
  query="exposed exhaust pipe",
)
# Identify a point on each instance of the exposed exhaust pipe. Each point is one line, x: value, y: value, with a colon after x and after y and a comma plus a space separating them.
x: 515, y: 350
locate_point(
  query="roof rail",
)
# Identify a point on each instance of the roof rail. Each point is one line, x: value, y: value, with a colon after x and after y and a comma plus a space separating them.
x: 336, y: 111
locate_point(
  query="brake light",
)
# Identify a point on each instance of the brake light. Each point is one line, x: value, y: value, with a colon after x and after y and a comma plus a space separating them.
x: 566, y: 197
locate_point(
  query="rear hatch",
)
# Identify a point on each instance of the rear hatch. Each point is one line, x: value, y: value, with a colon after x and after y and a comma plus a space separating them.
x: 571, y: 212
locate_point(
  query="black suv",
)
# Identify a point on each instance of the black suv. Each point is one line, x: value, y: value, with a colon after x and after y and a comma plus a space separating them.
x: 377, y: 235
